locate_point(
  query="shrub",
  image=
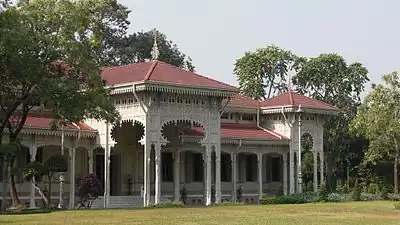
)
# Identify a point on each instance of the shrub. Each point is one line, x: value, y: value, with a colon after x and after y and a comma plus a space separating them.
x: 369, y: 197
x: 336, y: 197
x: 323, y: 193
x: 397, y: 206
x: 168, y: 204
x: 384, y: 192
x: 89, y: 190
x: 393, y: 197
x: 302, y: 198
x: 227, y: 203
x: 356, y: 193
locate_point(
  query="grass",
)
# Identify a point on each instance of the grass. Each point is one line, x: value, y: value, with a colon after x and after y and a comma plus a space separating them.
x: 364, y: 213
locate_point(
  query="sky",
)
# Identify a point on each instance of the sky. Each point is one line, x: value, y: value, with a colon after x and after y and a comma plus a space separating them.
x: 214, y: 33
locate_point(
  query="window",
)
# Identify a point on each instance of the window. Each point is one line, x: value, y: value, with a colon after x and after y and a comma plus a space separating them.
x: 226, y: 168
x: 167, y: 166
x: 251, y: 163
x: 249, y: 117
x: 225, y: 115
x: 197, y: 167
x: 276, y: 169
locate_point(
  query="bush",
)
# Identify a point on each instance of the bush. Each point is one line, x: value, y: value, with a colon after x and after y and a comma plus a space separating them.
x: 384, y: 193
x: 227, y: 203
x: 337, y: 197
x: 89, y: 190
x: 168, y: 204
x: 397, y: 206
x: 356, y: 193
x: 302, y: 198
x: 369, y: 197
x: 323, y: 193
x: 393, y: 197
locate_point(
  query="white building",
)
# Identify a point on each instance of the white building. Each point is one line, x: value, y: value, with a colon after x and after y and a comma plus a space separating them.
x: 180, y: 129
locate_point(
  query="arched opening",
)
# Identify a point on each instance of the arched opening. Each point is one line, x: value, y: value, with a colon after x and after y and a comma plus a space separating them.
x: 182, y: 162
x: 126, y: 158
x: 307, y: 162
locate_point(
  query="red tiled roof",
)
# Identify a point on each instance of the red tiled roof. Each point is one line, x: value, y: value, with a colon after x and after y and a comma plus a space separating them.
x: 295, y: 99
x: 160, y: 72
x: 241, y: 101
x: 240, y: 131
x: 45, y: 123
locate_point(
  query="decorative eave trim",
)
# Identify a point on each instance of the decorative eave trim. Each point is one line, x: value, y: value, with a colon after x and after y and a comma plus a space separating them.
x: 240, y: 109
x: 172, y: 88
x: 295, y: 109
x: 235, y: 141
x: 50, y: 132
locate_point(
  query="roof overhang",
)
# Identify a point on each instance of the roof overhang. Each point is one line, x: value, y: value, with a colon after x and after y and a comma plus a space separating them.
x: 247, y: 141
x: 297, y: 109
x: 171, y: 88
x: 52, y: 132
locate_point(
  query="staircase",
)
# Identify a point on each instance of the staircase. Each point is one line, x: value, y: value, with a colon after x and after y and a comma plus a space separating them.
x: 124, y: 202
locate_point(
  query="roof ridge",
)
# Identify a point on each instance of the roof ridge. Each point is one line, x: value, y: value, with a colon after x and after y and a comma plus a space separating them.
x: 322, y: 102
x: 151, y: 70
x: 198, y: 75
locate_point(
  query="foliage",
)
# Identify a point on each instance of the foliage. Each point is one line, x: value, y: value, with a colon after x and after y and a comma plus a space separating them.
x: 35, y: 171
x: 228, y: 203
x: 89, y: 190
x: 168, y: 204
x: 381, y: 108
x: 393, y: 197
x: 397, y: 206
x: 262, y: 73
x: 137, y: 47
x: 302, y: 198
x: 329, y: 78
x: 56, y: 164
x: 337, y: 197
x: 322, y: 193
x: 356, y: 192
x: 384, y: 193
x: 183, y: 195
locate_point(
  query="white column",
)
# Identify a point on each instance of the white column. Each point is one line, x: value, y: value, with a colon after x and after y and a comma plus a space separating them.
x: 285, y: 180
x: 61, y: 191
x: 217, y: 173
x: 259, y: 163
x: 315, y: 173
x: 234, y: 176
x: 32, y: 197
x: 208, y: 175
x: 72, y: 178
x: 204, y: 176
x: 291, y: 170
x: 146, y: 174
x: 300, y: 181
x: 177, y: 169
x: 107, y: 168
x: 90, y: 154
x: 321, y: 159
x: 158, y: 174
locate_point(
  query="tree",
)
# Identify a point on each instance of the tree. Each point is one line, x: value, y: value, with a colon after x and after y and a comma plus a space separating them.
x: 35, y: 171
x: 263, y: 73
x: 330, y: 79
x: 137, y: 47
x: 49, y: 58
x: 378, y: 119
x: 89, y: 190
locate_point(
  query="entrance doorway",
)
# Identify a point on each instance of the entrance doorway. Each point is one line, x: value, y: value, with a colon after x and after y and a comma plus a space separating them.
x: 114, y: 171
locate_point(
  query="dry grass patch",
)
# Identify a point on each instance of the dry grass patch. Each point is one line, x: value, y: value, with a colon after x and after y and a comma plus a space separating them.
x: 363, y: 213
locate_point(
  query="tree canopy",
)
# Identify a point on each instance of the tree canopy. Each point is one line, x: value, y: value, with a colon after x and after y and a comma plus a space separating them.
x: 263, y: 73
x: 378, y: 119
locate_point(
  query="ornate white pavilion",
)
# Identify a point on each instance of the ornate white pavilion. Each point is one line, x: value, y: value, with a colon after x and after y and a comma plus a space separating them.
x: 181, y: 134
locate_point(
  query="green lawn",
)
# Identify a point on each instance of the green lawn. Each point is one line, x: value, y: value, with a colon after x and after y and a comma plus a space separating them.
x: 364, y: 213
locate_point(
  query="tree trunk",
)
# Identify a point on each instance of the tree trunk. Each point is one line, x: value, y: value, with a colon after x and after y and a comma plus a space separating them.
x: 13, y: 190
x: 395, y: 174
x: 49, y: 190
x: 45, y: 199
x: 4, y: 194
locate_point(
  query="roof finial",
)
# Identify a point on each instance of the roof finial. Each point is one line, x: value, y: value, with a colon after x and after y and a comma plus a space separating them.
x: 154, y: 52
